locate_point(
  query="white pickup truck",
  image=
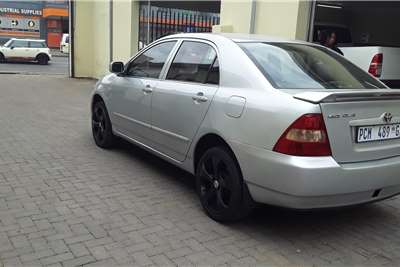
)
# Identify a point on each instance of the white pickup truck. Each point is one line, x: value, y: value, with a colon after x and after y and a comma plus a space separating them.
x: 380, y: 61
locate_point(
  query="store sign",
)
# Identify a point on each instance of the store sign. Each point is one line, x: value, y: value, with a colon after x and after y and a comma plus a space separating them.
x: 21, y: 11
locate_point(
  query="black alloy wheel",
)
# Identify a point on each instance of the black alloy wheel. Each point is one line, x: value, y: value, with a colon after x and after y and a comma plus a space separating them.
x: 222, y: 192
x: 101, y: 126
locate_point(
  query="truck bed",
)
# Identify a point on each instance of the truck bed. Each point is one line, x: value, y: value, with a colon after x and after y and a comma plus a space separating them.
x: 362, y: 56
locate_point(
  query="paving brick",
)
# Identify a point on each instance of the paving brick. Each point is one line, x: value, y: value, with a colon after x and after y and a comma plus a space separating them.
x: 78, y: 238
x: 66, y: 202
x: 162, y: 260
x: 37, y: 255
x: 98, y: 242
x: 80, y: 261
x: 57, y: 258
x: 141, y: 258
x: 78, y: 249
x: 20, y: 241
x: 100, y: 253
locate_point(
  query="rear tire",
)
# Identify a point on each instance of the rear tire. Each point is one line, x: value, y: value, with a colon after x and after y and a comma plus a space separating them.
x: 43, y: 59
x: 220, y: 186
x: 101, y: 126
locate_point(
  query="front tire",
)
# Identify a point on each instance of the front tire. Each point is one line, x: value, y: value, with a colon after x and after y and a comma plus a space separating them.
x: 219, y: 183
x: 101, y: 126
x: 2, y: 58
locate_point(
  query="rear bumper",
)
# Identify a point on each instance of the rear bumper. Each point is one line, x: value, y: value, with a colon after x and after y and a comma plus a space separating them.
x: 315, y: 182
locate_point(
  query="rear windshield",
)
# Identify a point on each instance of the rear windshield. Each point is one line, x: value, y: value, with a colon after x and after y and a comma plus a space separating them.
x: 300, y: 66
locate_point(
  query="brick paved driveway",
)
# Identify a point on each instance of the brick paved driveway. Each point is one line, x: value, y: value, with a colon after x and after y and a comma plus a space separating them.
x: 64, y: 201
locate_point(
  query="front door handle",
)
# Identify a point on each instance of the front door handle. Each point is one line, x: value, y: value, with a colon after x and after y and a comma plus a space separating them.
x: 200, y: 97
x: 147, y: 89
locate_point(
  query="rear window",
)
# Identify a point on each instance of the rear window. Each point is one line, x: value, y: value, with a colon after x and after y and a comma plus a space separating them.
x: 37, y: 44
x: 300, y: 66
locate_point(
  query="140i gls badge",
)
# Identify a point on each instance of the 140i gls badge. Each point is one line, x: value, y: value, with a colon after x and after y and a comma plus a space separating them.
x: 345, y: 115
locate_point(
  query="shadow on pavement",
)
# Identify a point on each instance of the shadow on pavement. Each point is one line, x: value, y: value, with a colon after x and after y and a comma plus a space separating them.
x: 288, y: 223
x: 23, y: 63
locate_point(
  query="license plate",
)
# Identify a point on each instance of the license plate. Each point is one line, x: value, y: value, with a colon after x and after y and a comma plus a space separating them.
x: 378, y: 133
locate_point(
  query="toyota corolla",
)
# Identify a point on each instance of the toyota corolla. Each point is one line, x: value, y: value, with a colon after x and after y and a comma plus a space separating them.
x: 256, y: 119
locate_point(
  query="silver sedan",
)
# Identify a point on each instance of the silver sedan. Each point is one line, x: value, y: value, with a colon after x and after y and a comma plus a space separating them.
x: 256, y: 119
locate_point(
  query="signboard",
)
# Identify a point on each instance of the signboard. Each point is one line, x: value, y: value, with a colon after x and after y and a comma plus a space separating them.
x: 21, y: 11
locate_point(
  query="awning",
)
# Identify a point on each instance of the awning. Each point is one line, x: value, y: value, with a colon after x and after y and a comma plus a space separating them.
x: 55, y: 12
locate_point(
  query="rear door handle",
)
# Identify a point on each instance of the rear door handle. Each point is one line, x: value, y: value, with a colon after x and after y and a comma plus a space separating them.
x: 147, y: 89
x: 200, y: 97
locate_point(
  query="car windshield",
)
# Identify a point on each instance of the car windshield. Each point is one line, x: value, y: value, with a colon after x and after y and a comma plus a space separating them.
x: 7, y: 44
x: 301, y: 66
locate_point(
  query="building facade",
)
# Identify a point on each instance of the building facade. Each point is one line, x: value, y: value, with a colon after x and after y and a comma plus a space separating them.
x: 109, y: 30
x: 46, y: 20
x: 116, y: 29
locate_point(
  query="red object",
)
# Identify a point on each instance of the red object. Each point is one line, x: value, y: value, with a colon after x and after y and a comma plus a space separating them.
x: 54, y: 33
x: 375, y: 68
x: 307, y: 136
x: 54, y: 39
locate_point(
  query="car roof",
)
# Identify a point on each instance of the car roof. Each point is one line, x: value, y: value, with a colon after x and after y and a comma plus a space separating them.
x: 236, y: 37
x: 29, y: 40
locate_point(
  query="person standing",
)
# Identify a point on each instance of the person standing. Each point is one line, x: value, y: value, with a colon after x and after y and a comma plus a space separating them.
x: 329, y: 39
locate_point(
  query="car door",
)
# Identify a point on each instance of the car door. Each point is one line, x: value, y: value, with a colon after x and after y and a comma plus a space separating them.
x: 19, y: 49
x: 130, y: 97
x: 34, y: 48
x: 8, y: 50
x: 181, y: 100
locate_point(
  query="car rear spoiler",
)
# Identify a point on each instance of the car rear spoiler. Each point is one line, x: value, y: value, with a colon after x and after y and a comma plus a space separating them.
x: 350, y: 96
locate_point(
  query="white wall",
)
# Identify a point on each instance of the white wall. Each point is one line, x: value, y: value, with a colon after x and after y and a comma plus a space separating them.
x: 92, y: 35
x: 285, y: 18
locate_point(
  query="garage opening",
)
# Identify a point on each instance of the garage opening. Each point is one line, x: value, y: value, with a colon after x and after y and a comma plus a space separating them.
x: 161, y: 18
x: 367, y: 33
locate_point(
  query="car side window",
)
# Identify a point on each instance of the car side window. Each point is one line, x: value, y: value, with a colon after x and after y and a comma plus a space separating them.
x: 150, y: 63
x: 18, y: 43
x: 213, y: 73
x: 36, y: 44
x: 192, y: 62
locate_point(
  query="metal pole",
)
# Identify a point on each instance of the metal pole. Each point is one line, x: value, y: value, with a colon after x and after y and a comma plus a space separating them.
x: 311, y: 19
x: 253, y: 16
x: 111, y: 36
x: 148, y: 21
x: 71, y: 55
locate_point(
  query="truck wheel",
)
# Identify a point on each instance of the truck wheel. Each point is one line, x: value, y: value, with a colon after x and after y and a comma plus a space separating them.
x: 43, y: 59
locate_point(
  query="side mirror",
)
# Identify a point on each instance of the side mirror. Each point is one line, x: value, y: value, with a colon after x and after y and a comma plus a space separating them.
x: 12, y: 47
x: 117, y: 67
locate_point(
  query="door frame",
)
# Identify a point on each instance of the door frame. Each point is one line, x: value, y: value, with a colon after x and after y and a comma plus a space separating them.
x: 311, y: 20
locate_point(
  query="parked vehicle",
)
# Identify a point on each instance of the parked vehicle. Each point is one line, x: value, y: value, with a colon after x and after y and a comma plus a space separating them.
x: 380, y: 61
x: 25, y: 50
x: 64, y: 44
x: 256, y: 119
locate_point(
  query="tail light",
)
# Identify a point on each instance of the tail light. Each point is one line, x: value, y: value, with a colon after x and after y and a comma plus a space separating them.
x: 375, y: 68
x: 306, y: 136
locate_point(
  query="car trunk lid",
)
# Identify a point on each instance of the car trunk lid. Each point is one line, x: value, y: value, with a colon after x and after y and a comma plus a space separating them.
x: 354, y: 119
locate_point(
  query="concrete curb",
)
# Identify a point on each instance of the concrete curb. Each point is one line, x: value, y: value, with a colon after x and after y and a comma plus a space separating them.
x: 57, y: 55
x: 30, y: 73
